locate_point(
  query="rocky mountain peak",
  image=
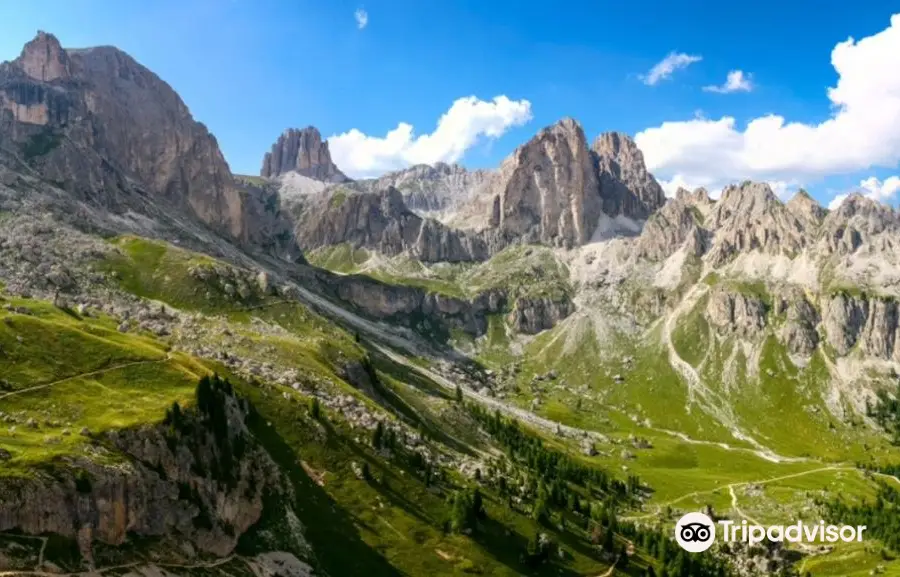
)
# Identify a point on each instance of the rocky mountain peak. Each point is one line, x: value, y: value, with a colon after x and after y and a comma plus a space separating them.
x: 567, y: 124
x: 751, y: 200
x: 857, y: 205
x: 626, y: 186
x: 859, y: 220
x: 120, y: 139
x: 617, y: 144
x: 805, y: 207
x: 749, y: 217
x: 546, y: 191
x: 304, y: 152
x: 699, y: 197
x: 44, y: 59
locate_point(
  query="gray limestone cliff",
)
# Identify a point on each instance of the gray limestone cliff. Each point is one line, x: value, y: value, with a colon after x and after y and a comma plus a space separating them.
x: 677, y: 224
x: 381, y: 221
x: 626, y: 187
x: 799, y: 332
x: 199, y: 478
x: 302, y: 151
x: 749, y: 217
x: 426, y: 189
x: 109, y: 132
x: 547, y: 190
x: 531, y: 315
x: 736, y: 313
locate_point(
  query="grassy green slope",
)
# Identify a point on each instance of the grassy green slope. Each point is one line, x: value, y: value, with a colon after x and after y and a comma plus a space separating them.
x: 395, y: 514
x: 64, y: 373
x: 91, y: 376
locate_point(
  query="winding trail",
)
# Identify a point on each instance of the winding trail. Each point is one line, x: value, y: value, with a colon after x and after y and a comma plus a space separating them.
x: 84, y: 375
x: 731, y: 487
x: 101, y: 570
x: 708, y: 400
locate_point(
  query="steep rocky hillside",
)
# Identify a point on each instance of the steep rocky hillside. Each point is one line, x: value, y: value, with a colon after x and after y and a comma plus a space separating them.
x: 112, y: 135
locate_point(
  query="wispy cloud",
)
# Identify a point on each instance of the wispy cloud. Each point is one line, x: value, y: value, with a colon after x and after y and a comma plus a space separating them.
x: 668, y: 65
x: 362, y: 18
x: 736, y: 81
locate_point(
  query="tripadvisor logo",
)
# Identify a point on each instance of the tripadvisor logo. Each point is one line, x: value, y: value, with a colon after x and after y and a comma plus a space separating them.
x: 696, y: 532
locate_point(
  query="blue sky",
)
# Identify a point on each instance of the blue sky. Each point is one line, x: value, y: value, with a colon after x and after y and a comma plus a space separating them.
x: 249, y: 69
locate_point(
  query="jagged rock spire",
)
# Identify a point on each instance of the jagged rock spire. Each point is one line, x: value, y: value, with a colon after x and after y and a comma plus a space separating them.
x: 304, y: 152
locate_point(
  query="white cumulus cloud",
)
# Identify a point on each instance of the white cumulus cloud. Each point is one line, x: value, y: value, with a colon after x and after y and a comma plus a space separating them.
x: 736, y: 81
x: 668, y: 65
x: 862, y: 131
x: 468, y: 120
x: 362, y: 18
x: 882, y: 191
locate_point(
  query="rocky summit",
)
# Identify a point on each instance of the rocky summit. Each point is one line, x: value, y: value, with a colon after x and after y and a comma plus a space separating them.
x: 304, y: 152
x: 552, y: 190
x: 534, y: 369
x: 110, y: 133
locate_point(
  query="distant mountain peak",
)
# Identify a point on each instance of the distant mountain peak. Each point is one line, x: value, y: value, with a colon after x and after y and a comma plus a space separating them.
x: 805, y: 207
x: 303, y: 151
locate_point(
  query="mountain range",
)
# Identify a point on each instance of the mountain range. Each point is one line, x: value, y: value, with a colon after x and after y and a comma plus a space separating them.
x: 241, y: 374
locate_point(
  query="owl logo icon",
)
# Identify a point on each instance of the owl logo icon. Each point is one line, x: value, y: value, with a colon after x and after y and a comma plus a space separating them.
x: 695, y: 532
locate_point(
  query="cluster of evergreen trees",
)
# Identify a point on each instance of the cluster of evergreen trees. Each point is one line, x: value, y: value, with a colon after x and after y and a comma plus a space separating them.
x: 886, y: 412
x: 212, y: 396
x: 881, y: 516
x: 466, y: 509
x: 385, y: 438
x: 672, y: 559
x: 568, y: 486
x: 556, y: 470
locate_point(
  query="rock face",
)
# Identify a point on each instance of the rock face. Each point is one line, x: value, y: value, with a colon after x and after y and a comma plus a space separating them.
x: 749, y: 217
x: 844, y: 319
x: 858, y: 222
x: 677, y: 224
x: 381, y: 221
x: 626, y: 187
x: 304, y: 152
x: 737, y: 313
x: 44, y: 59
x: 172, y: 486
x: 533, y: 315
x: 107, y: 130
x: 410, y: 306
x: 547, y: 190
x: 806, y: 209
x: 431, y: 189
x: 799, y: 331
x: 867, y: 322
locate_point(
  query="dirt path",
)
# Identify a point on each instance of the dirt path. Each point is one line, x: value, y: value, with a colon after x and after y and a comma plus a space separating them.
x: 84, y: 375
x: 102, y: 570
x: 731, y: 487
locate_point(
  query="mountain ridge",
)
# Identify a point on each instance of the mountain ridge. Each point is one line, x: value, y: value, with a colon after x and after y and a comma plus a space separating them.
x: 532, y: 370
